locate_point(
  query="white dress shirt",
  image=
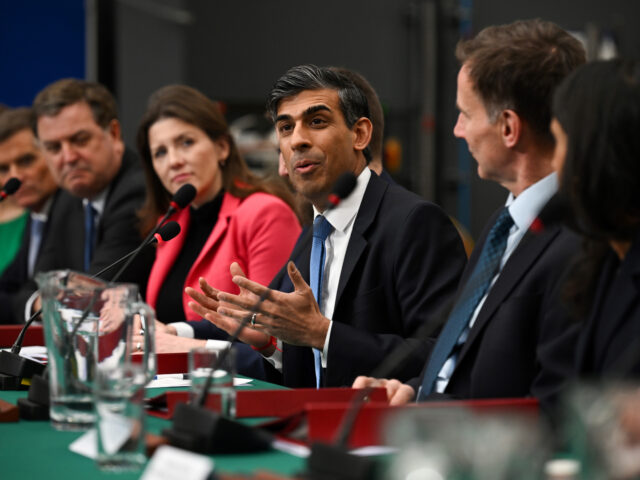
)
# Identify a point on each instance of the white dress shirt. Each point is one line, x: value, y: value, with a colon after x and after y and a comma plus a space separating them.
x: 342, y: 219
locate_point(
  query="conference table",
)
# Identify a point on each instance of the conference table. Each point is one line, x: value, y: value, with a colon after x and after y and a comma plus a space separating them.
x: 35, y: 450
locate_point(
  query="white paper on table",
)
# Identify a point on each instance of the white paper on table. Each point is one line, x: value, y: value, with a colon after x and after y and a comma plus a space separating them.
x: 177, y: 380
x: 86, y: 445
x: 171, y: 463
x: 373, y: 450
x: 291, y: 448
x: 114, y: 429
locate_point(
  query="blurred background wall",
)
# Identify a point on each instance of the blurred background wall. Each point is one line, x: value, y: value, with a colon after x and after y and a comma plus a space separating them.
x: 234, y: 50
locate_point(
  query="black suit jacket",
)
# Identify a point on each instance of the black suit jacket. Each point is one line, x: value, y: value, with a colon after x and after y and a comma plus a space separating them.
x: 522, y: 342
x: 609, y: 342
x: 402, y: 264
x: 116, y: 235
x: 16, y: 275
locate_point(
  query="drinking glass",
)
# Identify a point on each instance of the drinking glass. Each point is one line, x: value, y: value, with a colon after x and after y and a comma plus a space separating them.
x: 221, y: 390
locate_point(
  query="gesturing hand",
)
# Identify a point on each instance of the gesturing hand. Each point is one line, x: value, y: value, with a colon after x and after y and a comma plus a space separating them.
x: 207, y: 303
x: 293, y: 317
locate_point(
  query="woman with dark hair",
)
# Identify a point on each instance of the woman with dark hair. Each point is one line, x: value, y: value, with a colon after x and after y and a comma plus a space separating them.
x: 235, y: 216
x: 596, y: 125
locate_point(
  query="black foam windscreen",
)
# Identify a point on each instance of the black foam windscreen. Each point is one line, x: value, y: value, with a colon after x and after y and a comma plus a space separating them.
x: 185, y: 195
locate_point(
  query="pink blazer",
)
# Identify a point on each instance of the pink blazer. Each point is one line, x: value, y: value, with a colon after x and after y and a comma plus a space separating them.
x: 258, y: 232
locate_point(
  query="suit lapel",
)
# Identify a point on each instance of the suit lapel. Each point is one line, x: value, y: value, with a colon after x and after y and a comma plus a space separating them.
x: 170, y: 250
x: 228, y: 207
x: 526, y: 253
x: 358, y: 242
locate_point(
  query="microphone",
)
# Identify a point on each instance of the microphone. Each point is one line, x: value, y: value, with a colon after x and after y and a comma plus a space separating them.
x: 13, y: 367
x: 9, y: 188
x: 164, y: 234
x: 341, y: 189
x: 197, y: 429
x: 167, y: 232
x: 183, y: 197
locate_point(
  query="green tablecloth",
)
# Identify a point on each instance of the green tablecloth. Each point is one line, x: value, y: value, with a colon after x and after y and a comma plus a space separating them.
x: 34, y: 450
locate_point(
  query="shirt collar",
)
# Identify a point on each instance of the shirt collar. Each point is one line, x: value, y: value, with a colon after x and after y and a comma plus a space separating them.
x: 341, y: 216
x: 525, y: 207
x: 98, y: 201
x: 43, y: 214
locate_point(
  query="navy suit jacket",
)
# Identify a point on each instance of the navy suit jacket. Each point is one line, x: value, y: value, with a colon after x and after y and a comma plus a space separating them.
x: 117, y: 233
x: 402, y: 264
x: 609, y: 343
x: 522, y: 342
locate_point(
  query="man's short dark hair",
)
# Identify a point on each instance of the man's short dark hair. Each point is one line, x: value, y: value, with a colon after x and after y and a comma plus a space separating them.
x: 375, y: 108
x: 353, y: 102
x: 70, y: 91
x: 13, y: 121
x: 517, y: 66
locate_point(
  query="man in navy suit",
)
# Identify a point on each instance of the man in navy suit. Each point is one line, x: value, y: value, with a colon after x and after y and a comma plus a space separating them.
x: 507, y: 334
x: 391, y: 259
x: 94, y: 221
x: 20, y: 157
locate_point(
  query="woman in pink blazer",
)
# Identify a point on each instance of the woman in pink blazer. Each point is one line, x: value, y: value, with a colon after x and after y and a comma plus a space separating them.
x: 235, y: 217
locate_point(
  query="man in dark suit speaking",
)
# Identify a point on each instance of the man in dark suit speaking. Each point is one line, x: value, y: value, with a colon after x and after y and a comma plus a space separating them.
x: 507, y: 334
x: 377, y: 265
x: 94, y: 221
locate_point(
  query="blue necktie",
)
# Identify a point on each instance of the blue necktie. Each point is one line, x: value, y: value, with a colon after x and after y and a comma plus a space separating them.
x: 89, y: 234
x: 474, y: 290
x: 321, y: 230
x: 35, y: 239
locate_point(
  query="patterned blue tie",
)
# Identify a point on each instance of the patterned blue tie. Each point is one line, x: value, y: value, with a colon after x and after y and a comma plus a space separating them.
x: 35, y: 239
x: 321, y: 230
x: 474, y: 290
x: 89, y: 234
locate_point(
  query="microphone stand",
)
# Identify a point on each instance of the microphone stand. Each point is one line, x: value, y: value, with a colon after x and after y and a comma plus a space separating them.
x: 333, y: 461
x: 200, y: 430
x: 36, y: 405
x: 14, y: 367
x: 181, y: 199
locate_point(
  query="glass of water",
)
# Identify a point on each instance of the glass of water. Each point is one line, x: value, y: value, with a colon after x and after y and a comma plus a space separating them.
x: 218, y: 364
x: 71, y: 304
x: 119, y: 401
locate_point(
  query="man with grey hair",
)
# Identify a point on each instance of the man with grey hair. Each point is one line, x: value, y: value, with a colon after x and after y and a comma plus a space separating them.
x: 20, y: 157
x: 508, y: 334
